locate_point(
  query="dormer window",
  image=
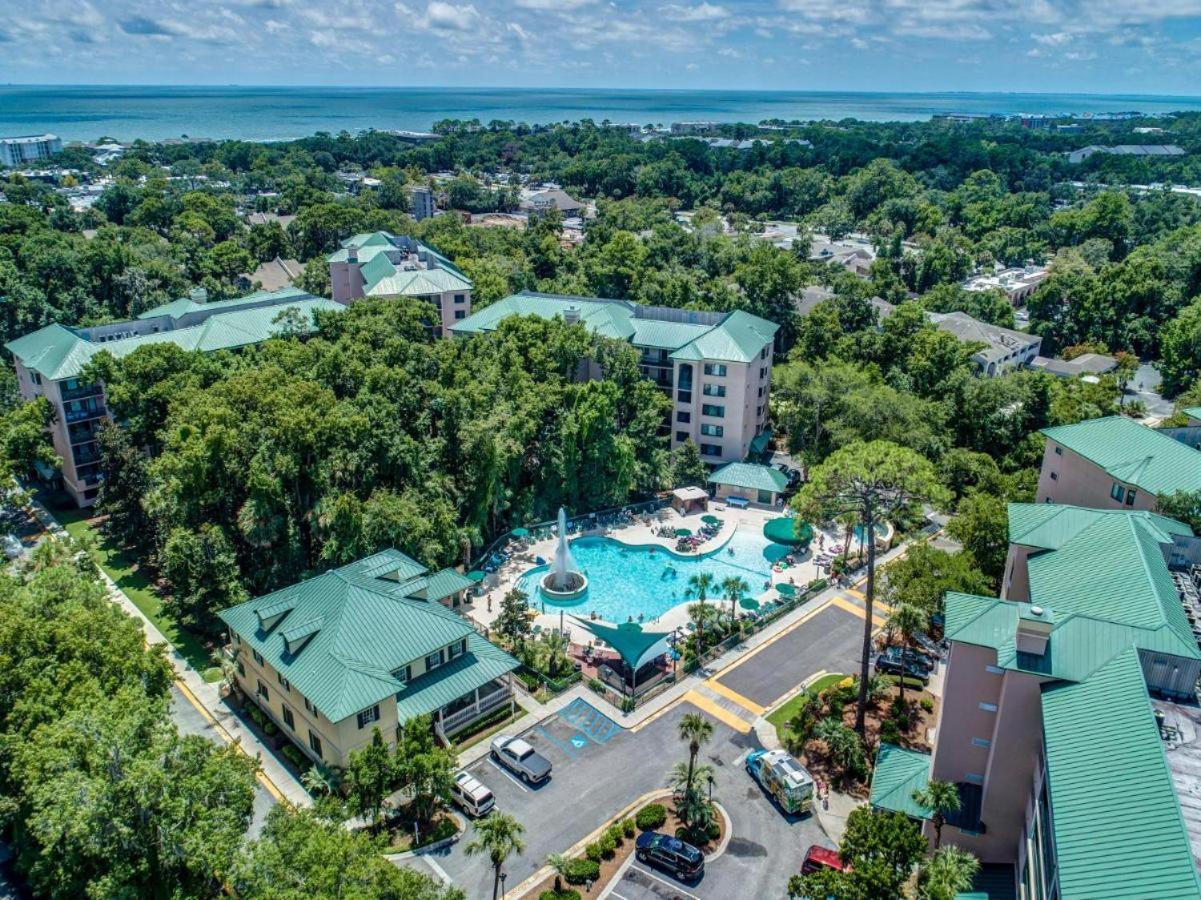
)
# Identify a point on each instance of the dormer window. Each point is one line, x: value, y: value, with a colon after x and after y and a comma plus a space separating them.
x: 402, y: 674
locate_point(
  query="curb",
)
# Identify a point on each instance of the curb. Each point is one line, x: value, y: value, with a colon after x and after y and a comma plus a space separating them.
x: 431, y: 848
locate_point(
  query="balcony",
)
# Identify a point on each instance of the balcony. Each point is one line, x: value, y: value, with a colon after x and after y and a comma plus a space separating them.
x: 95, y: 411
x: 85, y: 457
x: 81, y: 392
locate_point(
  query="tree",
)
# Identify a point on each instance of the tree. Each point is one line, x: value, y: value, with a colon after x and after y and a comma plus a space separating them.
x: 687, y: 468
x: 981, y: 524
x: 24, y: 440
x: 697, y: 730
x: 924, y: 575
x: 908, y: 621
x: 369, y: 778
x: 940, y: 798
x: 301, y: 855
x: 560, y: 864
x: 701, y: 582
x: 423, y: 768
x: 947, y: 874
x: 1183, y: 506
x: 497, y: 836
x: 202, y: 570
x: 844, y: 746
x: 512, y: 622
x: 880, y: 849
x: 873, y: 481
x: 734, y: 588
x: 124, y: 485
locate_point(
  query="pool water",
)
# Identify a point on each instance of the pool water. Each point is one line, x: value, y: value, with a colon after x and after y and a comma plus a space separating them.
x: 880, y: 528
x: 625, y: 582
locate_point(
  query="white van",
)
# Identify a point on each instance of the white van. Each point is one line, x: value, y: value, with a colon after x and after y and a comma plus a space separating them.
x: 471, y: 795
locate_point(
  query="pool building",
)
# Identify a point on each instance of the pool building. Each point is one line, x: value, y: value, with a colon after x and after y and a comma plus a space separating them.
x: 715, y: 366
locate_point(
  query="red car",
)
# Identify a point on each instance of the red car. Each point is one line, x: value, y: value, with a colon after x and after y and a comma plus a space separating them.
x: 817, y: 857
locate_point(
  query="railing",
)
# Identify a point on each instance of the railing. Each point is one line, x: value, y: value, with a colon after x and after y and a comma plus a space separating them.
x: 469, y: 713
x: 79, y: 415
x: 87, y: 390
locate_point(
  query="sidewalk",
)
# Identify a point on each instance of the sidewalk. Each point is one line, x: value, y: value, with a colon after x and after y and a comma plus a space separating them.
x: 279, y: 782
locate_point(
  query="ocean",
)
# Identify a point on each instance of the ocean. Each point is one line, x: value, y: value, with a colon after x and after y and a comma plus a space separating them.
x: 280, y: 113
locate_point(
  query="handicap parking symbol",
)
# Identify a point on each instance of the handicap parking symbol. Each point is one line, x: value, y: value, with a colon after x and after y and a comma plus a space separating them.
x: 579, y: 741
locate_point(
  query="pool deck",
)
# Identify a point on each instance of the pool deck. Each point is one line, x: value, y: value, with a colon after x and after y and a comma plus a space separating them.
x: 639, y: 534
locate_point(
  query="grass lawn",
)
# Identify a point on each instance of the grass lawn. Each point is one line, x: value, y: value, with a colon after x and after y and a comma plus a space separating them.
x: 124, y: 571
x: 781, y: 716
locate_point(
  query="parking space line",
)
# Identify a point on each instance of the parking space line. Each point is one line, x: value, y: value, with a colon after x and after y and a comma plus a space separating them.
x: 562, y: 745
x: 722, y: 715
x: 745, y: 702
x: 675, y: 887
x: 438, y: 870
x: 509, y: 775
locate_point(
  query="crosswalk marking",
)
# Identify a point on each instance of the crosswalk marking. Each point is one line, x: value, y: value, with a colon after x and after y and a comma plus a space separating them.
x: 696, y: 698
x: 745, y: 702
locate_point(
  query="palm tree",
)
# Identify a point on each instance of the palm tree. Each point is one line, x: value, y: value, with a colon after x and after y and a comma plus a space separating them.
x: 701, y: 582
x: 697, y: 731
x: 498, y: 836
x: 320, y: 780
x: 734, y: 587
x: 843, y: 745
x: 556, y: 650
x: 558, y: 864
x: 691, y: 803
x: 907, y: 620
x: 946, y: 874
x: 940, y: 798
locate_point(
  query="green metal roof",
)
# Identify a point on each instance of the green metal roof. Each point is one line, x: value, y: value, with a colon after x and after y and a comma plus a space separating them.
x: 751, y: 477
x: 371, y: 623
x: 1116, y: 818
x: 443, y: 584
x: 632, y: 643
x: 383, y: 278
x: 177, y: 309
x: 1193, y: 412
x: 898, y: 773
x: 738, y: 337
x: 1048, y: 526
x: 1133, y: 453
x: 57, y: 352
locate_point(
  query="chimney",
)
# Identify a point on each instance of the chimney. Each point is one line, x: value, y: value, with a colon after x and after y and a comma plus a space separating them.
x: 1034, y: 630
x: 352, y: 255
x: 198, y: 295
x: 571, y: 315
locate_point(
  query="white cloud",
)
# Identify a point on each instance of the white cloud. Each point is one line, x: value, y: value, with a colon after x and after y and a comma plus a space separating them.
x: 448, y: 17
x: 705, y: 12
x: 553, y: 5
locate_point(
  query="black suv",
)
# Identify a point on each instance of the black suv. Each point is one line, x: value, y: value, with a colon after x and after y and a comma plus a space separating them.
x: 891, y: 665
x: 671, y: 855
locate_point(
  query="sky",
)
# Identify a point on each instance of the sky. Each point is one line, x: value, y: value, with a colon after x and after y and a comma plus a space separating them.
x: 1099, y: 46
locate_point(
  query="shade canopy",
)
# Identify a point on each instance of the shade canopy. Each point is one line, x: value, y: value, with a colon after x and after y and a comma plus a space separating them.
x: 711, y: 520
x: 520, y: 532
x: 475, y: 575
x: 788, y: 530
x: 683, y: 532
x: 633, y: 643
x: 786, y: 590
x: 749, y: 603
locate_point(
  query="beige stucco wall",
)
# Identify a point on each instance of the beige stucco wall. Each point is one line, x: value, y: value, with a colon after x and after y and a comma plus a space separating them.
x: 745, y: 410
x: 1067, y: 477
x: 722, y: 491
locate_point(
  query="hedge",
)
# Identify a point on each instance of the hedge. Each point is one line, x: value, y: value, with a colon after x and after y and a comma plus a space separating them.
x: 651, y: 816
x: 581, y: 871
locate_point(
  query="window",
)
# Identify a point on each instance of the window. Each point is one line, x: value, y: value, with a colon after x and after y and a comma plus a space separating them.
x: 460, y: 298
x: 1130, y: 495
x: 288, y: 719
x: 994, y: 670
x: 1117, y: 492
x: 314, y: 743
x: 713, y: 430
x: 763, y: 371
x: 456, y: 650
x: 714, y: 390
x: 460, y: 314
x: 988, y: 707
x: 311, y: 708
x: 262, y: 691
x: 241, y: 668
x: 1054, y: 476
x: 283, y: 682
x: 367, y: 716
x: 684, y: 396
x: 35, y: 377
x: 709, y: 409
x: 758, y: 412
x: 1059, y: 451
x: 682, y: 436
x: 710, y: 450
x: 683, y: 417
x: 716, y: 369
x: 401, y: 674
x: 433, y: 660
x: 258, y: 657
x: 764, y: 497
x: 760, y: 393
x: 981, y: 742
x: 763, y: 353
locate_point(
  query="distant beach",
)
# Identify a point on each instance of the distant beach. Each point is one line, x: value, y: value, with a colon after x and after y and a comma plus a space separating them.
x: 282, y: 113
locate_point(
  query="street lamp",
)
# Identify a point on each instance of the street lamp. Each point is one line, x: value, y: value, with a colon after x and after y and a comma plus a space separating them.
x: 503, y: 877
x: 710, y: 789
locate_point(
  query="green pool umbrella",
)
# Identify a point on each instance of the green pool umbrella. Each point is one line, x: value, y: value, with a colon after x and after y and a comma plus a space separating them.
x: 749, y: 603
x: 683, y: 532
x: 711, y: 520
x: 476, y: 575
x: 787, y: 530
x: 786, y: 590
x: 520, y: 532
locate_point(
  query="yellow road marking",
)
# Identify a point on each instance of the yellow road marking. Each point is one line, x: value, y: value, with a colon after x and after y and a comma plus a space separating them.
x: 857, y: 611
x: 745, y: 702
x: 724, y: 715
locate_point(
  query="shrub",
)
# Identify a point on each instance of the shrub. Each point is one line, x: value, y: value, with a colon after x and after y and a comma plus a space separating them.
x: 617, y: 833
x: 888, y: 732
x: 581, y: 871
x: 651, y: 816
x: 593, y: 852
x: 608, y: 846
x: 293, y: 755
x: 817, y: 584
x: 897, y: 707
x: 628, y: 828
x: 927, y: 703
x: 597, y: 685
x: 902, y: 721
x: 269, y: 728
x: 565, y: 894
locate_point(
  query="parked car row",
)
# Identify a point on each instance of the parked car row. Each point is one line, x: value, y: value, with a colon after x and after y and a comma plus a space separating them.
x: 473, y: 797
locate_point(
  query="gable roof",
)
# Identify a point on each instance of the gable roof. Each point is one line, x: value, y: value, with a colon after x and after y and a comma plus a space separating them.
x: 751, y: 477
x: 1133, y: 453
x: 1101, y: 740
x: 898, y: 773
x: 739, y: 338
x: 362, y: 622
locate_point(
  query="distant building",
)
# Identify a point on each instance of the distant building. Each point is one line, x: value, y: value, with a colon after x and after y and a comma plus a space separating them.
x: 388, y: 265
x: 1084, y: 364
x: 50, y: 362
x: 268, y: 218
x: 693, y: 127
x: 1005, y: 349
x: 422, y: 201
x: 274, y: 274
x: 1077, y: 156
x: 715, y: 366
x: 557, y: 199
x: 853, y: 253
x: 17, y: 151
x: 1017, y: 284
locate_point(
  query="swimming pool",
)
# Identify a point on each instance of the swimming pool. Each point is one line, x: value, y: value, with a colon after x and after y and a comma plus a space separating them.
x: 625, y: 582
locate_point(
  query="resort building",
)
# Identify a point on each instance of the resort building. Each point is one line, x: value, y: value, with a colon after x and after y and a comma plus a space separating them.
x: 388, y: 265
x: 1069, y: 716
x: 1004, y: 349
x: 1084, y: 365
x: 1078, y: 156
x: 370, y: 645
x: 17, y: 151
x: 551, y: 199
x: 1016, y: 284
x: 1115, y: 463
x: 715, y: 366
x: 422, y: 202
x: 746, y: 483
x: 50, y: 362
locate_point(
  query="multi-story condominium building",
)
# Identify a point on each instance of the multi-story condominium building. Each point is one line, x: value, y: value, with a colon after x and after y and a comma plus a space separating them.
x: 716, y: 367
x: 370, y: 645
x: 422, y: 202
x: 389, y: 265
x: 50, y: 362
x: 17, y: 151
x: 1115, y: 463
x: 1069, y: 721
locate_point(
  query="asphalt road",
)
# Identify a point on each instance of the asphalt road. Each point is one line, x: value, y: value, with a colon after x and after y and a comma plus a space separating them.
x: 190, y: 721
x: 599, y: 768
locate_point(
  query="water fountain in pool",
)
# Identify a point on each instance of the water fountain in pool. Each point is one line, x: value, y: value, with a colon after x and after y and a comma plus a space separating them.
x: 564, y: 581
